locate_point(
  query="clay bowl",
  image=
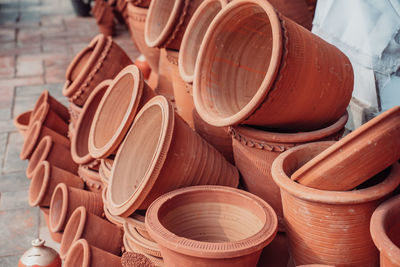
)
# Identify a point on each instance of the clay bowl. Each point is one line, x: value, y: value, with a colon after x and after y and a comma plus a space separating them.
x: 21, y: 122
x: 211, y: 225
x: 357, y: 157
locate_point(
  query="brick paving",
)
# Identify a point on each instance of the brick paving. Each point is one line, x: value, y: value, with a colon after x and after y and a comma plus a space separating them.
x: 38, y: 39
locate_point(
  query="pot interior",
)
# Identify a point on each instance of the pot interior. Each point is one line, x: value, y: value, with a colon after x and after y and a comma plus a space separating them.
x: 70, y: 231
x: 160, y: 16
x: 392, y: 226
x: 56, y: 207
x: 76, y: 256
x: 37, y: 183
x: 81, y: 63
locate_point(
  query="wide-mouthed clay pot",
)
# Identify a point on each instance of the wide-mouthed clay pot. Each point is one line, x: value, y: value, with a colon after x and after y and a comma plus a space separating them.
x: 127, y: 93
x: 74, y: 111
x: 159, y: 154
x: 49, y: 118
x: 329, y: 227
x: 136, y: 240
x: 357, y: 157
x: 385, y: 232
x: 156, y: 261
x: 211, y: 225
x: 55, y: 105
x: 102, y: 59
x: 255, y: 150
x: 164, y: 86
x: 104, y: 15
x: 257, y: 67
x: 91, y: 178
x: 21, y: 122
x: 55, y: 236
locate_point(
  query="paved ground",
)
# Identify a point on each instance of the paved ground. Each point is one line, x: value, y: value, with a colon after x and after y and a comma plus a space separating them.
x: 38, y: 39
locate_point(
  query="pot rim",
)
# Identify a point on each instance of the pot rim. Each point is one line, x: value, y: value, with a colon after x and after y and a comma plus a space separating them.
x: 195, y: 248
x: 57, y: 227
x: 117, y: 220
x: 90, y: 177
x: 43, y: 98
x: 266, y: 84
x: 33, y: 202
x: 86, y: 252
x: 17, y: 120
x: 147, y: 246
x: 82, y: 213
x: 32, y: 136
x: 136, y: 220
x: 36, y: 158
x: 331, y: 197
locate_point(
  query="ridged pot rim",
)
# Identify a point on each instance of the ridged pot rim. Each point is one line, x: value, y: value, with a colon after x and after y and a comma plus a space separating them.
x: 36, y: 158
x: 137, y: 90
x: 63, y: 190
x: 85, y: 247
x: 90, y: 177
x: 330, y: 197
x: 271, y: 73
x: 32, y: 135
x: 117, y: 220
x: 35, y: 200
x: 378, y: 232
x: 147, y: 246
x: 85, y: 121
x: 81, y: 213
x: 210, y: 250
x: 18, y: 120
x: 159, y: 156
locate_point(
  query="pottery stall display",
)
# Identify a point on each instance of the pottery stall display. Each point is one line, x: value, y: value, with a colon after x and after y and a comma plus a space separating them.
x: 104, y: 15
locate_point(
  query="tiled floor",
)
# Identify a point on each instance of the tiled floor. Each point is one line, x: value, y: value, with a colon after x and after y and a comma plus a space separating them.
x: 38, y: 39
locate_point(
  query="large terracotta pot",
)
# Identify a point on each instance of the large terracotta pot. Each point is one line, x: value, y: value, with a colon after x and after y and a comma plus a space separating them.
x: 278, y: 76
x: 55, y: 105
x: 329, y: 227
x: 159, y: 154
x: 56, y: 237
x: 211, y: 225
x: 21, y: 122
x: 102, y: 59
x: 91, y: 178
x: 385, y: 232
x: 115, y: 113
x: 164, y: 86
x: 255, y: 150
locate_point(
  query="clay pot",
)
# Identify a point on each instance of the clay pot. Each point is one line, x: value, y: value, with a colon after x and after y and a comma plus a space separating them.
x: 97, y: 232
x: 385, y: 232
x: 21, y: 122
x: 55, y: 105
x: 160, y: 145
x: 66, y: 199
x: 47, y: 117
x: 56, y: 237
x: 40, y: 255
x: 256, y: 149
x: 74, y: 111
x: 105, y: 170
x: 156, y: 261
x: 102, y: 59
x: 80, y: 141
x: 114, y: 115
x: 329, y: 227
x: 279, y: 76
x: 45, y: 179
x: 372, y: 147
x: 142, y: 244
x: 85, y: 255
x: 104, y: 15
x: 117, y: 220
x: 231, y: 229
x: 50, y: 150
x: 139, y: 3
x: 91, y: 178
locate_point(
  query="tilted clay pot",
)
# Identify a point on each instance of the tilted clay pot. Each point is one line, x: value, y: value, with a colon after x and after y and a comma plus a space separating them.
x: 116, y: 220
x: 56, y: 237
x: 80, y: 140
x: 255, y: 150
x: 85, y: 255
x: 21, y: 122
x: 279, y: 76
x: 102, y: 59
x: 157, y: 261
x: 230, y: 229
x: 329, y: 227
x: 66, y: 199
x: 159, y: 154
x: 97, y: 232
x: 385, y: 232
x: 136, y: 220
x: 167, y: 21
x: 164, y: 86
x: 142, y: 244
x: 361, y: 154
x: 55, y: 105
x: 114, y: 115
x: 105, y: 169
x: 45, y: 179
x: 139, y: 3
x: 91, y: 178
x: 105, y: 17
x: 50, y: 119
x: 74, y: 111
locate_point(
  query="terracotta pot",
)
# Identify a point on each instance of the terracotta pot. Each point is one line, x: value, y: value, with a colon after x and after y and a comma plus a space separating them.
x: 56, y: 237
x: 80, y: 141
x: 287, y: 79
x: 140, y: 3
x: 40, y: 255
x: 104, y: 15
x: 45, y: 179
x: 130, y: 259
x: 21, y: 122
x: 230, y: 230
x: 55, y: 105
x: 161, y: 145
x: 102, y: 59
x: 49, y: 150
x: 66, y: 199
x: 97, y: 232
x: 91, y: 178
x: 256, y: 149
x: 370, y: 148
x: 47, y: 117
x: 329, y: 227
x: 117, y: 220
x: 74, y: 111
x: 157, y: 262
x: 136, y: 221
x: 385, y: 232
x: 85, y: 255
x: 114, y: 115
x: 164, y: 86
x: 105, y: 169
x: 136, y: 240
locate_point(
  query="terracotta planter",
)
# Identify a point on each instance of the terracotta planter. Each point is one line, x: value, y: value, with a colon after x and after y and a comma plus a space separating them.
x: 104, y: 15
x: 114, y: 115
x: 164, y: 86
x: 156, y: 261
x: 372, y: 147
x: 117, y: 220
x: 102, y: 59
x: 230, y: 230
x: 385, y: 232
x: 329, y: 227
x: 91, y: 178
x: 256, y: 149
x: 21, y: 122
x: 160, y: 145
x: 74, y: 111
x: 56, y: 237
x: 287, y: 79
x: 139, y: 3
x: 44, y: 181
x: 85, y: 255
x: 105, y: 169
x: 97, y: 232
x: 55, y: 105
x: 47, y: 117
x: 66, y: 199
x: 142, y: 244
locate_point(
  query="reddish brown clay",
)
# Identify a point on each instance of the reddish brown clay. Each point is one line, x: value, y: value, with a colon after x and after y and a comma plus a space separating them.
x: 361, y: 154
x: 296, y: 10
x: 164, y: 86
x: 102, y: 59
x: 230, y: 229
x: 140, y: 3
x: 74, y: 111
x: 287, y: 79
x: 256, y: 149
x: 143, y: 66
x: 385, y: 232
x: 116, y: 220
x: 92, y: 179
x: 276, y: 253
x: 103, y: 12
x: 155, y: 260
x: 142, y: 244
x: 85, y: 255
x: 47, y: 117
x: 66, y: 199
x: 136, y: 220
x: 329, y: 227
x: 40, y: 255
x: 55, y: 106
x: 105, y: 170
x: 55, y: 236
x: 160, y: 145
x: 132, y: 259
x: 21, y: 122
